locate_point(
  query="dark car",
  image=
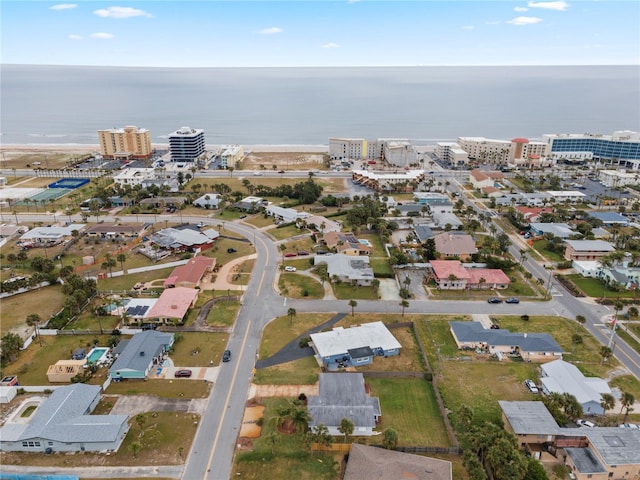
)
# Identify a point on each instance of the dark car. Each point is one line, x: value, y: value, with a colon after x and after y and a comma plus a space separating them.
x: 281, y: 171
x: 512, y: 300
x: 243, y: 216
x: 291, y: 254
x: 494, y: 300
x: 182, y: 373
x: 231, y: 250
x: 226, y: 356
x: 303, y: 252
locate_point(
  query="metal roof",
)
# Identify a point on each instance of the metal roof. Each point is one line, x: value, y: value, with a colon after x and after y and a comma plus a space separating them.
x: 140, y: 350
x: 340, y: 340
x: 528, y: 342
x: 530, y: 417
x: 562, y: 377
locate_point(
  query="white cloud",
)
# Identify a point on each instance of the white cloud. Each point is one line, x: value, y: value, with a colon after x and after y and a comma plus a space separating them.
x: 102, y: 36
x: 270, y: 31
x: 63, y: 6
x: 331, y: 45
x: 75, y: 37
x: 524, y: 21
x: 559, y: 5
x: 521, y: 9
x: 121, y: 12
x: 468, y: 27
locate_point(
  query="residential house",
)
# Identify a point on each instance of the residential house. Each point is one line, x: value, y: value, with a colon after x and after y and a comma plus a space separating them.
x: 63, y: 423
x: 587, y: 268
x: 323, y: 224
x: 423, y: 233
x: 136, y: 310
x: 343, y: 395
x: 560, y: 230
x: 566, y: 196
x: 136, y: 357
x: 173, y: 305
x: 453, y: 275
x: 446, y: 220
x: 587, y: 249
x: 610, y: 219
x: 537, y: 347
x: 481, y: 179
x: 346, y: 268
x: 9, y: 231
x: 492, y: 192
x: 563, y: 377
x: 354, y: 346
x: 454, y: 244
x: 64, y: 370
x: 437, y: 202
x: 532, y: 214
x: 590, y: 453
x: 623, y: 274
x: 112, y: 231
x: 285, y: 215
x: 190, y: 275
x: 49, y: 235
x: 601, y: 234
x: 162, y: 202
x: 209, y: 200
x: 345, y: 243
x: 368, y: 462
x: 251, y: 204
x: 184, y: 239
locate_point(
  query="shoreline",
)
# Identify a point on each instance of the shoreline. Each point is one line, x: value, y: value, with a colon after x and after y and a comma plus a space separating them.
x: 78, y: 147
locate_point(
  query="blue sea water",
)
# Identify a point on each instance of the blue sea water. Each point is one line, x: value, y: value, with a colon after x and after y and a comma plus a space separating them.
x: 306, y: 106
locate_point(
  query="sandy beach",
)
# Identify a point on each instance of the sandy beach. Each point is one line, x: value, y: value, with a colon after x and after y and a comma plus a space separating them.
x: 78, y: 148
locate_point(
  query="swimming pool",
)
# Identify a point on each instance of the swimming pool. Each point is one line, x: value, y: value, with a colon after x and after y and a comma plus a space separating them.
x: 97, y: 355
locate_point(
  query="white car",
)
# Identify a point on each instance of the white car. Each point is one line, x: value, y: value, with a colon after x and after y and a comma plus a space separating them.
x: 585, y: 423
x: 289, y: 268
x: 533, y: 388
x: 257, y: 174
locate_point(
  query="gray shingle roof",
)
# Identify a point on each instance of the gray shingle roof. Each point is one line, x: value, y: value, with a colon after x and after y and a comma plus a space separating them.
x: 150, y: 342
x: 528, y: 342
x: 63, y: 417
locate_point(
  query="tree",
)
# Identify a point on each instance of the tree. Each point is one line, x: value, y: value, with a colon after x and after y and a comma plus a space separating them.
x: 404, y: 304
x: 273, y: 437
x: 576, y: 340
x: 135, y: 448
x: 353, y: 304
x: 607, y: 402
x: 605, y: 353
x: 535, y: 471
x: 282, y: 248
x: 390, y: 438
x: 109, y: 263
x: 33, y: 320
x: 291, y: 313
x: 627, y: 400
x: 122, y: 257
x: 10, y: 344
x: 633, y: 312
x: 346, y: 428
x: 581, y: 319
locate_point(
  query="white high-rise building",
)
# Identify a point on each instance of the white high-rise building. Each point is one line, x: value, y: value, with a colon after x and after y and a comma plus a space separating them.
x: 186, y: 144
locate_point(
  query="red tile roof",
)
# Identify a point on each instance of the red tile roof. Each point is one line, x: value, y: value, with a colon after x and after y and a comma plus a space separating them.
x: 191, y: 272
x: 442, y: 269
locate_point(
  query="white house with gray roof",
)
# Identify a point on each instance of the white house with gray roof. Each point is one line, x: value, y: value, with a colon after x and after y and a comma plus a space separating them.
x: 347, y: 268
x: 343, y: 395
x: 354, y: 346
x: 143, y: 351
x: 63, y: 423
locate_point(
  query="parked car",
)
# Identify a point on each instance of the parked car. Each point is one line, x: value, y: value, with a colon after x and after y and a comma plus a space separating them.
x: 182, y: 373
x: 231, y: 250
x: 531, y: 385
x: 585, y: 423
x: 201, y: 225
x: 512, y: 300
x: 291, y: 254
x: 243, y: 216
x: 303, y: 252
x: 289, y: 268
x: 226, y: 356
x: 281, y: 171
x: 494, y: 300
x: 495, y: 326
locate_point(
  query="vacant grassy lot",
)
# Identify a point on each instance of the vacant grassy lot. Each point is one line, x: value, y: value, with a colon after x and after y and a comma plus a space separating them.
x: 286, y: 232
x: 380, y: 266
x: 43, y: 301
x: 290, y: 460
x: 126, y: 282
x: 168, y: 388
x: 344, y: 291
x: 31, y: 364
x: 409, y: 406
x: 223, y: 313
x: 298, y: 372
x: 282, y: 330
x: 628, y: 383
x: 592, y: 287
x: 541, y: 246
x: 295, y: 285
x: 260, y: 221
x: 197, y: 349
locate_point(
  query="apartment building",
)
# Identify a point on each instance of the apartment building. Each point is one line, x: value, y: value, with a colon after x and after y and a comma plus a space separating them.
x: 619, y: 178
x: 186, y: 144
x: 127, y: 142
x: 452, y: 153
x: 485, y: 149
x: 395, y: 151
x: 231, y: 156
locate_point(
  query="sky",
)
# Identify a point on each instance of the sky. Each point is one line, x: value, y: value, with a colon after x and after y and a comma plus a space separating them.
x: 239, y: 33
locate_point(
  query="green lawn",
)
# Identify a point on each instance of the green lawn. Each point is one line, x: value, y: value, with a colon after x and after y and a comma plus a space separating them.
x: 376, y: 243
x: 541, y: 247
x: 16, y: 308
x: 223, y: 313
x: 593, y: 287
x: 219, y: 250
x: 629, y: 384
x: 168, y: 388
x: 344, y: 291
x: 126, y: 282
x: 409, y: 406
x: 298, y: 372
x: 380, y: 265
x: 282, y: 330
x: 286, y: 232
x: 197, y: 349
x: 295, y: 285
x: 260, y: 221
x: 409, y: 359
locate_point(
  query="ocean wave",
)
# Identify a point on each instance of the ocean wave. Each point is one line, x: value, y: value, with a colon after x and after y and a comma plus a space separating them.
x: 47, y: 135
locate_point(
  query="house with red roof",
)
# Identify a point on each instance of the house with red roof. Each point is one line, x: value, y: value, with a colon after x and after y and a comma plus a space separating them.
x: 190, y: 275
x: 173, y: 305
x: 532, y: 214
x: 452, y: 275
x: 482, y: 178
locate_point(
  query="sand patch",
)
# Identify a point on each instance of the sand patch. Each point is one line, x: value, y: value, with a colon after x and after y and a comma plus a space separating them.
x: 250, y: 428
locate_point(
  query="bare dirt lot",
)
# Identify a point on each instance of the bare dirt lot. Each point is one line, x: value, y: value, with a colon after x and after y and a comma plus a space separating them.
x: 284, y: 160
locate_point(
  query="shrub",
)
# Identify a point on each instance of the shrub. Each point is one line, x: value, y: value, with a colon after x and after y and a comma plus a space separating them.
x: 304, y: 342
x: 524, y: 318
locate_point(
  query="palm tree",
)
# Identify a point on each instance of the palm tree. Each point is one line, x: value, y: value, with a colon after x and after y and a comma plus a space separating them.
x: 607, y: 402
x: 627, y: 400
x: 576, y: 340
x: 353, y: 304
x: 122, y: 257
x: 282, y: 248
x: 605, y: 353
x: 404, y: 303
x: 346, y: 428
x: 291, y: 313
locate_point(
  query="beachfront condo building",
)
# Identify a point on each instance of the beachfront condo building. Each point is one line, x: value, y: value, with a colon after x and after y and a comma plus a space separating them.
x: 487, y: 150
x: 230, y: 156
x: 127, y: 142
x: 186, y: 144
x: 621, y: 148
x: 395, y: 151
x: 452, y: 153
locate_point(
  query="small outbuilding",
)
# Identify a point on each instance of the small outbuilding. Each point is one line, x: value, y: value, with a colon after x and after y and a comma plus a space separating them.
x: 7, y: 394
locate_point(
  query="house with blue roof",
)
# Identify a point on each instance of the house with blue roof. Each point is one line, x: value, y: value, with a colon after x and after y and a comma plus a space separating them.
x: 611, y: 218
x: 535, y: 347
x: 140, y: 354
x: 63, y: 423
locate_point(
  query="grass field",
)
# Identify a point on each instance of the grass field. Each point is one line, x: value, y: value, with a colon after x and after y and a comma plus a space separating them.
x: 294, y: 285
x: 344, y: 291
x: 126, y: 282
x: 409, y: 359
x: 298, y: 372
x: 593, y: 287
x: 380, y: 265
x: 223, y: 313
x: 43, y: 301
x: 409, y: 406
x: 197, y: 349
x: 286, y: 232
x: 161, y: 388
x: 281, y: 331
x: 541, y: 247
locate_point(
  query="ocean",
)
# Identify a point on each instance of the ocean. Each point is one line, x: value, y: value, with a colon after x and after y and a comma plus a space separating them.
x: 306, y: 106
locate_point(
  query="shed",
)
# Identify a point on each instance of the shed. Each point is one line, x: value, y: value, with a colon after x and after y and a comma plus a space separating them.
x: 7, y: 394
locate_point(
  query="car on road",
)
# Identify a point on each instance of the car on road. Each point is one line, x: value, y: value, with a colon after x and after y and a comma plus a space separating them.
x: 531, y: 385
x: 281, y: 171
x: 289, y: 268
x: 585, y: 423
x: 494, y: 300
x: 257, y: 174
x: 231, y: 250
x: 184, y: 373
x: 512, y: 300
x: 226, y: 356
x: 291, y: 254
